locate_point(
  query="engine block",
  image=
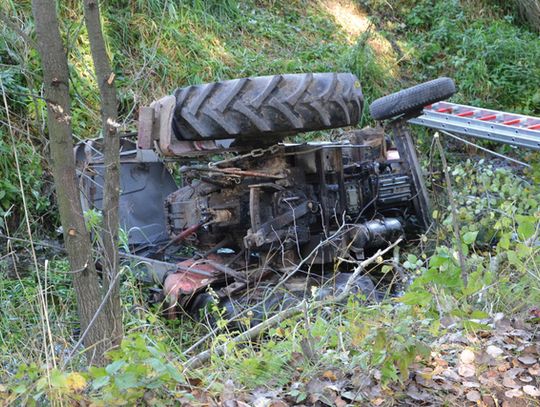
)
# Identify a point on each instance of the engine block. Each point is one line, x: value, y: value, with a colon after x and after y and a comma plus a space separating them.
x: 291, y: 197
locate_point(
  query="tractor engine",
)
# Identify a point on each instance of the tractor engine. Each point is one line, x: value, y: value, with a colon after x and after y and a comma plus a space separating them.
x: 289, y: 197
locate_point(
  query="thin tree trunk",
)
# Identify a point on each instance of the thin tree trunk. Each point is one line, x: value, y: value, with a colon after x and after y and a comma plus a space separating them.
x: 76, y: 237
x: 111, y: 192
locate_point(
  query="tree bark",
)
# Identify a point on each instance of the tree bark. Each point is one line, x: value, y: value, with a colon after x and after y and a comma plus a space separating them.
x: 111, y: 189
x: 76, y: 237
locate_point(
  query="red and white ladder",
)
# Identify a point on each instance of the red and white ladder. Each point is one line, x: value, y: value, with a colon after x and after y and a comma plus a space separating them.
x: 508, y: 128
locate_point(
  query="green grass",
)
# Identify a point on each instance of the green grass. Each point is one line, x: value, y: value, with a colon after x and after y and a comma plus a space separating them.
x: 494, y: 61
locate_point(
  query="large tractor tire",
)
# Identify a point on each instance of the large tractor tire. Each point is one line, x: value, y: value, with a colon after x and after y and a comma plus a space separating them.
x: 412, y: 100
x: 267, y: 106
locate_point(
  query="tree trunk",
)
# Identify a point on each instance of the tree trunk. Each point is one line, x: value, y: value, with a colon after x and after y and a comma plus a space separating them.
x: 76, y: 237
x: 111, y: 192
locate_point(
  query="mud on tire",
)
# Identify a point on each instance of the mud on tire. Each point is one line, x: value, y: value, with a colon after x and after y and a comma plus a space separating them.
x: 267, y: 105
x: 412, y: 99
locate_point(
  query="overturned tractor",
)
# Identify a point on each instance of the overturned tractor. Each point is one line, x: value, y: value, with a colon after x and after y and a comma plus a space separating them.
x: 256, y: 222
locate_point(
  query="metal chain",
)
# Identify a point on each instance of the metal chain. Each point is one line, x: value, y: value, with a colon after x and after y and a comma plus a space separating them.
x: 255, y: 153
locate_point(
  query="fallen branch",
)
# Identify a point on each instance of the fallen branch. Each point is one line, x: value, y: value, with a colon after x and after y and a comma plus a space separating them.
x: 274, y: 289
x: 255, y: 331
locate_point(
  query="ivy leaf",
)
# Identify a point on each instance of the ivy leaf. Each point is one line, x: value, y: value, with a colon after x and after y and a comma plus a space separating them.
x: 513, y: 259
x: 126, y: 380
x: 477, y: 314
x: 416, y: 298
x: 115, y: 367
x: 100, y: 382
x: 526, y: 229
x: 470, y: 237
x: 386, y: 268
x: 504, y: 242
x: 21, y: 388
x: 58, y: 379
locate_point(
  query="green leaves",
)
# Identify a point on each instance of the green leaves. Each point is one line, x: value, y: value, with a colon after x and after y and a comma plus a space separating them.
x: 138, y: 366
x: 470, y: 237
x: 527, y: 226
x: 420, y: 298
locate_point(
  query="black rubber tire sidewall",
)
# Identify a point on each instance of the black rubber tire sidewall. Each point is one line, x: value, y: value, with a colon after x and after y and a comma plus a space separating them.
x: 412, y: 99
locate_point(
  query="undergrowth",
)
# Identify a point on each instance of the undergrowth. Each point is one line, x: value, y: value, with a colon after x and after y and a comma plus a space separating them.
x: 159, y: 45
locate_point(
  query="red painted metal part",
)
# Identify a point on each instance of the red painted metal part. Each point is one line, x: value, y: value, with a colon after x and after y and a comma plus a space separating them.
x: 186, y: 283
x: 512, y: 122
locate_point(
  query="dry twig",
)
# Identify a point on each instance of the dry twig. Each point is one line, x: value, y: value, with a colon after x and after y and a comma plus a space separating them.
x: 255, y: 331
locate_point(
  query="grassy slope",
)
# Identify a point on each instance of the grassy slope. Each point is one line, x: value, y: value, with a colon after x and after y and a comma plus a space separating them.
x: 160, y: 45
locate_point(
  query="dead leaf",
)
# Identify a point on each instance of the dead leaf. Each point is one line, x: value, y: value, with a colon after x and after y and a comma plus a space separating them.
x: 466, y: 370
x: 440, y: 362
x: 489, y: 378
x: 375, y: 392
x: 451, y: 374
x: 513, y: 393
x: 535, y: 370
x: 470, y: 385
x: 525, y: 378
x: 514, y: 372
x: 494, y: 351
x: 360, y: 380
x: 377, y: 401
x: 227, y: 393
x: 467, y: 357
x: 330, y: 375
x: 76, y: 382
x: 426, y: 373
x: 266, y: 398
x: 438, y: 370
x: 527, y: 360
x: 235, y: 403
x: 472, y: 338
x: 473, y: 395
x: 488, y: 401
x: 504, y: 367
x: 511, y: 383
x: 530, y: 349
x: 531, y: 390
x: 353, y: 396
x: 417, y: 395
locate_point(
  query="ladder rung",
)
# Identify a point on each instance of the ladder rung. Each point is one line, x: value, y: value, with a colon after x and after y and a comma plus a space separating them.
x: 509, y: 128
x: 511, y: 122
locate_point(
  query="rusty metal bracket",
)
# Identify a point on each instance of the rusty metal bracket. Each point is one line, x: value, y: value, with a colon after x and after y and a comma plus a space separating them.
x: 407, y: 152
x: 155, y: 132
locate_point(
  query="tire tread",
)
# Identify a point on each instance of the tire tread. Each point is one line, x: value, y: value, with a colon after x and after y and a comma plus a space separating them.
x: 268, y: 105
